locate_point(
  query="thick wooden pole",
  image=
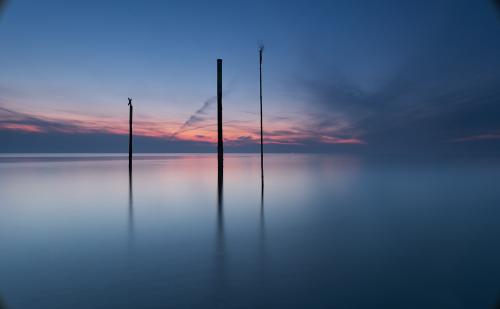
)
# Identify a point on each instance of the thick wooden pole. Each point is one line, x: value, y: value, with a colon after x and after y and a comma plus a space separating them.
x: 131, y: 110
x: 220, y: 143
x: 261, y: 130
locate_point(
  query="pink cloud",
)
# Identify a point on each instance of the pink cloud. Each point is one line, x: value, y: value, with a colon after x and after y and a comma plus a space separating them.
x: 480, y: 137
x: 21, y: 127
x: 236, y: 132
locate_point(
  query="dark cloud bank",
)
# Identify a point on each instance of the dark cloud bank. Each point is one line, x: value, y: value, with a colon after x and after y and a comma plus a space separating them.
x: 442, y: 99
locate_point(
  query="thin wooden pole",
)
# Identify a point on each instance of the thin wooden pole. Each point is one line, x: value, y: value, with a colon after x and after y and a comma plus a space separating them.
x: 131, y: 110
x: 261, y: 130
x: 220, y: 142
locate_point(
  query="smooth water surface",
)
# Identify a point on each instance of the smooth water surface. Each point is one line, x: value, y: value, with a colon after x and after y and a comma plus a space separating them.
x: 76, y: 231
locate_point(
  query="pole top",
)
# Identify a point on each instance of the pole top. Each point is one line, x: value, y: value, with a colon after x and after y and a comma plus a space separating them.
x: 219, y: 60
x: 261, y: 50
x: 130, y: 101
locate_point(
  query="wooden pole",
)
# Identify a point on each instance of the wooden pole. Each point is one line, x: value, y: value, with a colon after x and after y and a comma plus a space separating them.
x: 220, y: 145
x: 261, y: 130
x: 131, y: 110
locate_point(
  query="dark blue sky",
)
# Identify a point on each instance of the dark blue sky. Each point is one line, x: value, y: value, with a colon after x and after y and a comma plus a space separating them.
x: 392, y: 77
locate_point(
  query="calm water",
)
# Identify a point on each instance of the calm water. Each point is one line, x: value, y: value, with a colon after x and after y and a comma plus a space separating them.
x: 329, y: 232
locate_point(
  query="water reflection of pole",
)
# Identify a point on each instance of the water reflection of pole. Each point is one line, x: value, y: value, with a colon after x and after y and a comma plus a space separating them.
x: 130, y: 206
x: 220, y: 217
x: 220, y: 245
x: 262, y: 229
x: 261, y: 206
x: 261, y: 271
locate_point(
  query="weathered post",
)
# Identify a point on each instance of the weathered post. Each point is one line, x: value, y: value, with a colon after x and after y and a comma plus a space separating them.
x: 220, y: 145
x: 131, y: 110
x: 220, y: 175
x: 261, y: 130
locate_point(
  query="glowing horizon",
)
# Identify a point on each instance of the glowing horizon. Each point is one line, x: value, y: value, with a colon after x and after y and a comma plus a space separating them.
x: 235, y: 131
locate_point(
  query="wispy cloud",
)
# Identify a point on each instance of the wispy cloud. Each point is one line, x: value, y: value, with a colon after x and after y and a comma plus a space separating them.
x: 11, y: 119
x: 2, y: 5
x: 421, y: 105
x: 197, y: 117
x: 479, y: 137
x: 201, y: 115
x: 199, y: 127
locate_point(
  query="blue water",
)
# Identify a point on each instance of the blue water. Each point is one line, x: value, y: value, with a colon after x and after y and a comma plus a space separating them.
x: 327, y: 232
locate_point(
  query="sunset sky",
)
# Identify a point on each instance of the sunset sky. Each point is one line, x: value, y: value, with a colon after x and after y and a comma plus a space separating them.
x: 362, y: 76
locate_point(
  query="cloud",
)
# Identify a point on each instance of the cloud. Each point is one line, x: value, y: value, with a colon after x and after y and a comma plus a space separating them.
x: 3, y: 3
x: 475, y: 138
x: 201, y: 114
x: 280, y: 130
x: 13, y: 120
x: 292, y: 131
x: 497, y: 4
x: 445, y: 90
x: 75, y: 123
x: 196, y: 117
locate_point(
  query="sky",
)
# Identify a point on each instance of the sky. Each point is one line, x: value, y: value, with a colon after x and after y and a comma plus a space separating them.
x: 376, y: 77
